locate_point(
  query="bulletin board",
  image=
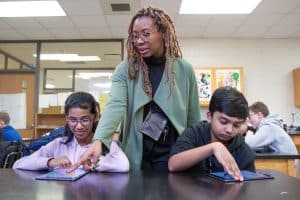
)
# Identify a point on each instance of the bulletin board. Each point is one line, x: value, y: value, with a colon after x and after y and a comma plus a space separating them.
x: 211, y: 78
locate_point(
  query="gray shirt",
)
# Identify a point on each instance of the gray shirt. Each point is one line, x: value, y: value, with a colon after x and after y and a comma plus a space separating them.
x: 270, y: 133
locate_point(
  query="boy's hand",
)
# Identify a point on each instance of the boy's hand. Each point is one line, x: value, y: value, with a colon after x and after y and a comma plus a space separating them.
x: 227, y: 161
x: 62, y: 162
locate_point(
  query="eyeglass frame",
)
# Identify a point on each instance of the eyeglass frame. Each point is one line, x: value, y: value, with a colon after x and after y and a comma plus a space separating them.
x: 145, y: 36
x: 88, y: 118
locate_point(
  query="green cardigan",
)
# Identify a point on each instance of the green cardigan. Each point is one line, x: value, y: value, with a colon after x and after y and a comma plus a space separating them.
x: 126, y: 105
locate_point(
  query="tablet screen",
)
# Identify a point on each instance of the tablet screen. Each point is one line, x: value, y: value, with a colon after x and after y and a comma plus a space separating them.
x: 61, y: 174
x: 247, y: 175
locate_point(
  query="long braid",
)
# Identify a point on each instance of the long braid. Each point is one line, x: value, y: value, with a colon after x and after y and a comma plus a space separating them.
x: 166, y: 26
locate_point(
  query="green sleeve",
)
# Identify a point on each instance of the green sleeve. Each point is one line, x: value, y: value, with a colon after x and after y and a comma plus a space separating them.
x: 116, y: 106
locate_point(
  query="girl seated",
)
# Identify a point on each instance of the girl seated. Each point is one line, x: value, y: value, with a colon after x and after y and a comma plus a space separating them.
x: 81, y: 122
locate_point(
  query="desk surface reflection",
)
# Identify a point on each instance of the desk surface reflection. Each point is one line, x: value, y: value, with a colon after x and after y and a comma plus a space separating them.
x: 18, y: 184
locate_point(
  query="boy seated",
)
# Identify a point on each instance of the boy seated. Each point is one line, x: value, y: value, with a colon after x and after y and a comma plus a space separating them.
x: 217, y: 145
x: 269, y: 131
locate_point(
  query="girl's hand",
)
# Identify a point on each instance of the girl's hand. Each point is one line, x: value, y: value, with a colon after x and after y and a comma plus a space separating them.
x: 61, y: 162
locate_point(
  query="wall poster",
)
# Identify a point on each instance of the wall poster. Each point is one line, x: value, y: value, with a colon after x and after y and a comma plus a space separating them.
x: 204, y: 82
x: 210, y: 78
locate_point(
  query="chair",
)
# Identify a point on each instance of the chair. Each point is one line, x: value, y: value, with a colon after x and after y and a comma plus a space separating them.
x: 9, y: 153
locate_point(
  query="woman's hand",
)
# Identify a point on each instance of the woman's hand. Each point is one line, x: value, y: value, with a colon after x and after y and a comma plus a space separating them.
x: 61, y: 162
x: 90, y: 158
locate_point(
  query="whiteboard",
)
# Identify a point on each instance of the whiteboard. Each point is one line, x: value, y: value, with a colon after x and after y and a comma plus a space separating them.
x: 15, y: 106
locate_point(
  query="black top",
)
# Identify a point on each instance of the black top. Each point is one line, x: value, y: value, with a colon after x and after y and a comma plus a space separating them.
x: 199, y: 135
x: 156, y: 68
x: 156, y: 153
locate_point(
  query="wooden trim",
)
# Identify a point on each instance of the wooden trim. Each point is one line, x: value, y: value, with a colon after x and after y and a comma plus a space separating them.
x: 286, y: 166
x: 296, y: 80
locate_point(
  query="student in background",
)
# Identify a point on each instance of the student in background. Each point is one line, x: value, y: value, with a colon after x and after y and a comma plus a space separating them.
x: 81, y: 121
x: 153, y: 85
x: 217, y: 145
x: 1, y: 135
x: 9, y: 132
x: 269, y: 131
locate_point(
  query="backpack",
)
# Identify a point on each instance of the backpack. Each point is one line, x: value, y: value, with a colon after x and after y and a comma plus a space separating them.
x: 9, y: 153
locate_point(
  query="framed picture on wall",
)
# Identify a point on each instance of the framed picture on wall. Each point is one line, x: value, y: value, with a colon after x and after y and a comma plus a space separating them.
x: 204, y: 78
x: 229, y: 77
x: 210, y: 78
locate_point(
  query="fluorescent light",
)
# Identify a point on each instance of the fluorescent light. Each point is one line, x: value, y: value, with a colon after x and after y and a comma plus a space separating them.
x: 30, y: 9
x: 65, y: 57
x: 218, y: 6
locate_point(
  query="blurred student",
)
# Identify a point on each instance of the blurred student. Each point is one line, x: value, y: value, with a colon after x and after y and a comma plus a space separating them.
x: 9, y: 132
x: 1, y: 135
x: 81, y: 121
x: 269, y: 131
x: 217, y: 145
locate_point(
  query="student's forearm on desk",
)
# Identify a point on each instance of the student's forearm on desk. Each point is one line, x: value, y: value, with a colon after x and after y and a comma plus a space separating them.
x: 189, y: 158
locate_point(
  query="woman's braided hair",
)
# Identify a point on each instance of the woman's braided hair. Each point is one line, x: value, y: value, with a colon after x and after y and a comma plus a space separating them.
x: 164, y: 25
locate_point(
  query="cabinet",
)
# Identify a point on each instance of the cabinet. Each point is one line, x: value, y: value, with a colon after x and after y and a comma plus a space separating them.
x: 296, y: 73
x: 45, y: 122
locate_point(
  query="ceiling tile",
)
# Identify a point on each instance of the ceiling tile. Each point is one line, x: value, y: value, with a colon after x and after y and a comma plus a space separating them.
x: 262, y: 19
x: 4, y: 25
x: 81, y: 7
x: 85, y: 19
x: 118, y: 20
x: 94, y: 33
x: 276, y: 6
x: 55, y: 22
x: 17, y: 22
x: 10, y: 35
x: 281, y: 31
x: 89, y: 21
x: 65, y: 33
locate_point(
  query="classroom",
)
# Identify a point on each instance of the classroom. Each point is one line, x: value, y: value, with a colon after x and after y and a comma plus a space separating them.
x: 45, y: 57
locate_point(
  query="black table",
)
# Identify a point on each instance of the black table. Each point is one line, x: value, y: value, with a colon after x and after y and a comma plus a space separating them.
x: 145, y: 185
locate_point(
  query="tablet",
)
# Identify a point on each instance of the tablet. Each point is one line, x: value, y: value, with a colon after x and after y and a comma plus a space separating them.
x: 62, y: 175
x: 248, y: 175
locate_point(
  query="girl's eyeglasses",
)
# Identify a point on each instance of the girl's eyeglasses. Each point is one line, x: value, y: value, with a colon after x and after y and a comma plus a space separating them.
x: 85, y: 121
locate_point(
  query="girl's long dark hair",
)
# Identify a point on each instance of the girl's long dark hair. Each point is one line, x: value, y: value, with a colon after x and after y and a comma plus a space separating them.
x: 82, y: 100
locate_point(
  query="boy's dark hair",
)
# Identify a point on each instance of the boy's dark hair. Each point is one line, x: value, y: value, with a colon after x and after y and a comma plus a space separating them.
x: 229, y: 101
x: 260, y: 107
x: 82, y: 100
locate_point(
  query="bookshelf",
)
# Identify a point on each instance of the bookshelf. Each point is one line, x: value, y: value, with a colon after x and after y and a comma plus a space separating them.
x: 44, y: 122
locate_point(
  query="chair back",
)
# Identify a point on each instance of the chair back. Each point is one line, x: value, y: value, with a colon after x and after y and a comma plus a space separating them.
x: 9, y: 153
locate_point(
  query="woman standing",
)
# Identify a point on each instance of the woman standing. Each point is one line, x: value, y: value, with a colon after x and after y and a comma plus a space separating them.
x: 154, y: 95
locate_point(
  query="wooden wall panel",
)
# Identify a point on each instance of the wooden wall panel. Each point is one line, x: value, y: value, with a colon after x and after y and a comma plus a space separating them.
x: 12, y: 83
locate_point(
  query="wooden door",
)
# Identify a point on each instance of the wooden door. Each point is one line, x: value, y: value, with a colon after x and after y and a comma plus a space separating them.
x: 11, y: 83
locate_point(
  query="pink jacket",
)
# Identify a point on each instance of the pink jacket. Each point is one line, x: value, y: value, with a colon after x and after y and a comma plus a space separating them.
x: 114, y: 161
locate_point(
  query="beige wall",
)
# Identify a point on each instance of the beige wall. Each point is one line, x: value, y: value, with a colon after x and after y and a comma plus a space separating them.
x: 267, y: 63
